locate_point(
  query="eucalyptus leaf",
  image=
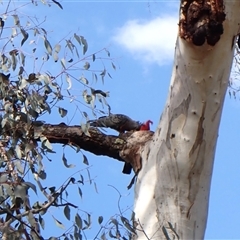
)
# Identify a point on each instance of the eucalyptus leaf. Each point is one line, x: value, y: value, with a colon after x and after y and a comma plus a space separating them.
x: 78, y: 221
x: 48, y: 46
x: 67, y: 212
x: 31, y: 185
x: 65, y: 162
x: 41, y: 221
x: 68, y: 79
x: 62, y: 112
x: 25, y: 36
x: 58, y: 223
x: 85, y: 44
x: 77, y: 38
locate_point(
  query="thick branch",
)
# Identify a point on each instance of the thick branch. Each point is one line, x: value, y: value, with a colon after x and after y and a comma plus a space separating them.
x: 97, y: 143
x: 125, y: 148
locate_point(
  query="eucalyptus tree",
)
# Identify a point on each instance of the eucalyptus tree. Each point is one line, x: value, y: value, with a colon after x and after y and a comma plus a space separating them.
x: 173, y: 165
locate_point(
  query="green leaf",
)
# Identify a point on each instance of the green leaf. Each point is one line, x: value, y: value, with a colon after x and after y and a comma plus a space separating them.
x: 80, y: 192
x: 89, y: 220
x: 67, y: 212
x: 31, y: 219
x: 55, y: 56
x: 95, y: 77
x: 3, y: 178
x: 46, y: 144
x: 70, y: 45
x: 85, y: 160
x: 95, y: 186
x: 104, y: 94
x: 19, y: 167
x: 42, y: 174
x: 58, y: 223
x: 62, y: 112
x: 21, y: 70
x: 31, y: 185
x: 108, y: 53
x: 68, y: 79
x: 46, y: 57
x: 72, y: 180
x: 84, y: 80
x: 22, y: 58
x: 42, y: 222
x: 126, y: 223
x: 20, y: 191
x: 82, y: 179
x: 14, y: 32
x: 14, y: 61
x: 65, y: 162
x: 85, y: 128
x: 103, y: 236
x: 171, y: 227
x: 57, y: 48
x: 77, y: 38
x: 57, y: 4
x: 16, y: 20
x: 100, y: 219
x: 86, y: 65
x: 102, y: 74
x: 109, y: 75
x: 78, y: 221
x: 88, y: 98
x: 114, y: 221
x: 85, y: 44
x: 85, y: 115
x: 76, y: 233
x: 114, y: 67
x: 63, y: 62
x: 48, y: 46
x: 23, y: 83
x: 164, y: 230
x: 76, y: 50
x: 25, y: 36
x: 33, y: 113
x: 89, y: 177
x: 18, y: 152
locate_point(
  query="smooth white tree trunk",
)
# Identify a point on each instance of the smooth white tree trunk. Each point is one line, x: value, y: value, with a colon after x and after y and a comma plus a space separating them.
x: 174, y: 183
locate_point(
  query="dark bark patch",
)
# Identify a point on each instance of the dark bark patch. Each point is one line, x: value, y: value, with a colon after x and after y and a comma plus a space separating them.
x: 201, y: 21
x: 131, y: 152
x: 173, y: 135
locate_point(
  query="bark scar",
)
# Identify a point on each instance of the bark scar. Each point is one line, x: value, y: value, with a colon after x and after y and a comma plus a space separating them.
x: 201, y: 20
x: 131, y: 152
x: 200, y: 131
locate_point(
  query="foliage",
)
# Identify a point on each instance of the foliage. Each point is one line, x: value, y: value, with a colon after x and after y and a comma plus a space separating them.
x: 36, y: 75
x: 234, y: 86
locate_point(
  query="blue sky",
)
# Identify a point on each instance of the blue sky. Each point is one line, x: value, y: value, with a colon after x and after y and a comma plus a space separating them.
x: 141, y: 38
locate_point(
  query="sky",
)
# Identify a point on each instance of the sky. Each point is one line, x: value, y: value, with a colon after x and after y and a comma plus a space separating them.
x: 140, y: 36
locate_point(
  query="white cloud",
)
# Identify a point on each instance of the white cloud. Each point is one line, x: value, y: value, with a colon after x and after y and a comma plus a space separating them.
x: 150, y: 41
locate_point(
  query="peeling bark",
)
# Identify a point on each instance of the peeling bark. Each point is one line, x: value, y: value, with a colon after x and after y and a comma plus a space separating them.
x: 131, y: 152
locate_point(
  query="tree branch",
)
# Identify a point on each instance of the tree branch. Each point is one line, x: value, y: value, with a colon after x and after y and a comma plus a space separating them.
x: 124, y: 147
x: 97, y: 143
